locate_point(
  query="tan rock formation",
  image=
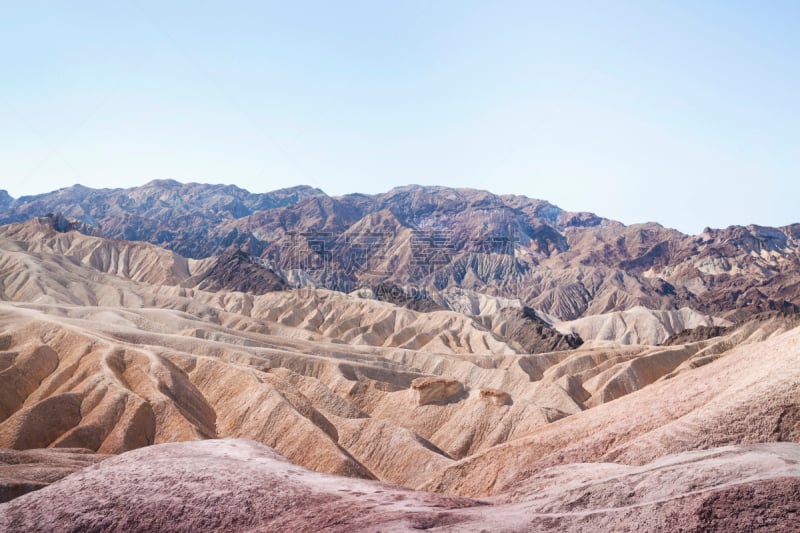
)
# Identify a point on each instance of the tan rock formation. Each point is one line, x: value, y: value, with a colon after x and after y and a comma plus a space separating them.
x: 427, y: 391
x: 495, y: 397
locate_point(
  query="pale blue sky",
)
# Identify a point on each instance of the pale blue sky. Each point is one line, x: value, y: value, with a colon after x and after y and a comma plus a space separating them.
x: 685, y: 113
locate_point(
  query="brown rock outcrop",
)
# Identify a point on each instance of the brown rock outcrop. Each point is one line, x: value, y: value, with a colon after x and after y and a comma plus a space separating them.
x: 495, y: 397
x: 434, y: 390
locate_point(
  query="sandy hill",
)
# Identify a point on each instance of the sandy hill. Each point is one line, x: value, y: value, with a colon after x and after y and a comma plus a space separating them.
x: 226, y: 485
x: 640, y: 325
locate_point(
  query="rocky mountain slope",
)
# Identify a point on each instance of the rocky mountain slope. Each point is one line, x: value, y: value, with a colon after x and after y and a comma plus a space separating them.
x: 426, y: 239
x: 182, y: 217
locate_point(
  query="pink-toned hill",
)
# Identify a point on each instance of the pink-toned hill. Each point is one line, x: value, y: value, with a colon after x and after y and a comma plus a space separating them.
x: 240, y: 485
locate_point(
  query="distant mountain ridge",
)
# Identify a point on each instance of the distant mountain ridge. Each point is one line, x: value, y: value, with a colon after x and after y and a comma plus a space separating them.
x: 568, y: 265
x: 180, y: 217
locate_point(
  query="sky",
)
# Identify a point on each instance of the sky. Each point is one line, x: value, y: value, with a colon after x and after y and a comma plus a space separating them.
x: 686, y: 113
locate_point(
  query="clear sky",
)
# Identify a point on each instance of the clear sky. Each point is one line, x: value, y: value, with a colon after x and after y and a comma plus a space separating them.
x: 685, y: 113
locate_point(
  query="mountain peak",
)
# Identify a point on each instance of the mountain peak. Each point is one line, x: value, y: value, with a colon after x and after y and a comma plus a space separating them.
x: 167, y: 183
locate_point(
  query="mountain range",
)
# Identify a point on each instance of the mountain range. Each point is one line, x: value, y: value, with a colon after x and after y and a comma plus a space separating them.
x: 423, y: 240
x: 196, y: 357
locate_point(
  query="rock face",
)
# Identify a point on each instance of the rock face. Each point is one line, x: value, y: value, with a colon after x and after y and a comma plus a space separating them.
x: 528, y: 333
x: 427, y: 391
x: 699, y: 333
x: 238, y: 271
x: 397, y: 295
